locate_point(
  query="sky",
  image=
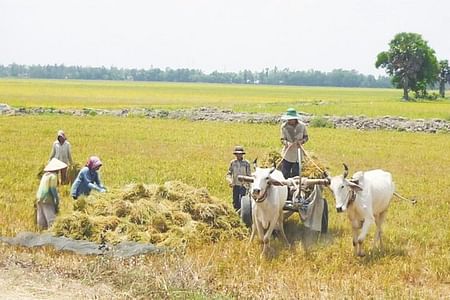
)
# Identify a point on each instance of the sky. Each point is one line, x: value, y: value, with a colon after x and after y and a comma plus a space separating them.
x: 222, y: 35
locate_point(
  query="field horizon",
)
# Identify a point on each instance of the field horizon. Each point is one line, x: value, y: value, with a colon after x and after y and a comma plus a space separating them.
x: 319, y: 101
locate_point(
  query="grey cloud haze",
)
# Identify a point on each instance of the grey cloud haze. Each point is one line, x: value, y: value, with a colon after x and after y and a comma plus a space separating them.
x: 216, y: 35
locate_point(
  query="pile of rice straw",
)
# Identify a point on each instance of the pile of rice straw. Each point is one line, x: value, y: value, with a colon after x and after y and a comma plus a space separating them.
x: 172, y: 215
x: 308, y: 168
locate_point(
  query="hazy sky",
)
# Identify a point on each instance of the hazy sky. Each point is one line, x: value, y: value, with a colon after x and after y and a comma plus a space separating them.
x: 218, y: 35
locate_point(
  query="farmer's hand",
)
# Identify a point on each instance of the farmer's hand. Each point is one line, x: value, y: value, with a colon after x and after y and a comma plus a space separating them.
x: 102, y: 190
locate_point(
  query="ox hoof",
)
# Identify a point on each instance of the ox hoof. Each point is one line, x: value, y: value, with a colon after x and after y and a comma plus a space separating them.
x: 268, y: 253
x: 361, y: 254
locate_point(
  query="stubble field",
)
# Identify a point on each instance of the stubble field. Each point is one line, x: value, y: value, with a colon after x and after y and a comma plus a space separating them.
x: 414, y: 264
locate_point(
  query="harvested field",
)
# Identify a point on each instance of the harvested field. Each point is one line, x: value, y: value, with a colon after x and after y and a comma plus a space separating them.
x: 413, y: 264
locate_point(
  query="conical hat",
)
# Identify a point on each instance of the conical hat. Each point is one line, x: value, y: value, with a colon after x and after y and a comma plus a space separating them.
x: 54, y: 165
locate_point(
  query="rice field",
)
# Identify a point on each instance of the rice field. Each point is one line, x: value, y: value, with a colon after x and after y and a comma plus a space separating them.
x: 248, y: 98
x: 414, y: 264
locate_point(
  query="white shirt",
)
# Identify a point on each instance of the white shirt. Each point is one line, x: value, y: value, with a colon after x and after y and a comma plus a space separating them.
x: 62, y: 152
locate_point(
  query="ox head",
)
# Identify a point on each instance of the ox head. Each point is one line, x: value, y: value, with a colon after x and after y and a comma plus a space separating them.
x: 260, y: 180
x: 343, y: 189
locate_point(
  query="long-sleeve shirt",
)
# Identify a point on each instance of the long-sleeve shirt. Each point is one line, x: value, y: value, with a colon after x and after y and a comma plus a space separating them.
x: 237, y: 167
x: 293, y: 135
x: 86, y: 181
x: 47, y: 192
x: 62, y: 152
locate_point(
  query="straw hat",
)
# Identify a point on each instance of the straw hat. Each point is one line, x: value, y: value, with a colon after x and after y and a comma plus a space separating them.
x: 291, y: 114
x: 54, y: 165
x: 238, y: 150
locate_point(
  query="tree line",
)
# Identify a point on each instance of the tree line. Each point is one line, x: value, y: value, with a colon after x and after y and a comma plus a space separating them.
x: 274, y: 76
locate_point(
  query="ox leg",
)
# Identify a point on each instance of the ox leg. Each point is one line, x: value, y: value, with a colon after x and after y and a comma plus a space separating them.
x: 252, y: 234
x: 267, y: 236
x: 356, y: 225
x: 281, y: 228
x: 260, y: 231
x: 379, y: 220
x: 362, y: 236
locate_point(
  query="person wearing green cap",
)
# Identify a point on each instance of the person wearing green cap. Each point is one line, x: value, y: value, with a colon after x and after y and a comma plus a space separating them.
x: 293, y: 135
x: 238, y: 166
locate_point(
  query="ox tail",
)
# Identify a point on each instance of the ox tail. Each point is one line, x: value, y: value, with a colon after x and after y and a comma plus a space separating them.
x: 412, y: 201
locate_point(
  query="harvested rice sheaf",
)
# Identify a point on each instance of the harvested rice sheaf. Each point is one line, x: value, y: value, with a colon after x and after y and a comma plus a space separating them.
x: 309, y: 168
x: 172, y: 215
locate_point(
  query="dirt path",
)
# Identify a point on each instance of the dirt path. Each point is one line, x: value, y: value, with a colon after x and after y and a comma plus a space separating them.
x: 20, y: 282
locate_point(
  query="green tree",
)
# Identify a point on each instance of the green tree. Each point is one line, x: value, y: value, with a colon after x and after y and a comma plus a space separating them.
x: 444, y: 76
x: 411, y: 63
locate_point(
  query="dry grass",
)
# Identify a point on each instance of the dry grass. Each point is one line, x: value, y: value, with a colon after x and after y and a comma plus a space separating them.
x: 414, y: 264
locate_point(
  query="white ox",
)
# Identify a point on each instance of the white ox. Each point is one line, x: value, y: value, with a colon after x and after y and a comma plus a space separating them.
x: 268, y: 198
x: 366, y: 198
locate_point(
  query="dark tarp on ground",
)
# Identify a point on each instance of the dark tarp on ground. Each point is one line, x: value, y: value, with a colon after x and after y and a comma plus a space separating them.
x: 123, y: 249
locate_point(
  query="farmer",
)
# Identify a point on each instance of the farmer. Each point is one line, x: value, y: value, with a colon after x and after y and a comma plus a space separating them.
x: 238, y: 166
x: 47, y: 194
x: 61, y: 151
x: 88, y: 179
x: 293, y: 135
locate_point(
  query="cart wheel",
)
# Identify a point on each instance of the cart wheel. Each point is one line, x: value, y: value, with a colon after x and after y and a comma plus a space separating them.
x: 325, y: 217
x: 246, y: 210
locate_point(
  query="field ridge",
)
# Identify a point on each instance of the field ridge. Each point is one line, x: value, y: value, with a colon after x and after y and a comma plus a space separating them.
x: 397, y: 123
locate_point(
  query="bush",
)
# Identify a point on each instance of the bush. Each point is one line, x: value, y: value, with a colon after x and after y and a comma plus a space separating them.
x: 433, y: 96
x: 321, y: 122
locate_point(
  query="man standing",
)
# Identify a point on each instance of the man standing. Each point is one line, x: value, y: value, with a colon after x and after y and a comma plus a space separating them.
x: 293, y: 135
x: 61, y: 150
x: 238, y: 166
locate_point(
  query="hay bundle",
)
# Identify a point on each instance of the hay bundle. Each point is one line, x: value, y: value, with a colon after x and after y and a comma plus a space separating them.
x: 72, y: 172
x: 77, y: 226
x: 173, y: 214
x: 308, y: 168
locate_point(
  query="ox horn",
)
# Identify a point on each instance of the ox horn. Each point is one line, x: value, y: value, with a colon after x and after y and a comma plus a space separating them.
x: 345, y: 170
x: 326, y: 176
x: 255, y: 163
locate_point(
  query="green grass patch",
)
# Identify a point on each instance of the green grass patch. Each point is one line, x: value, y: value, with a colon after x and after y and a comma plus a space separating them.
x: 248, y: 98
x: 320, y: 122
